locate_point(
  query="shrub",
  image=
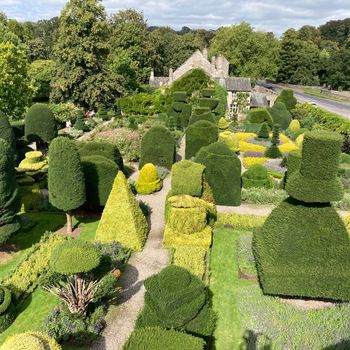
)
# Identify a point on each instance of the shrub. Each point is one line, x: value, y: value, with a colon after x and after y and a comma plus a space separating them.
x: 246, y: 222
x: 187, y: 178
x: 158, y: 147
x: 293, y: 162
x: 64, y: 112
x: 7, y: 310
x: 99, y: 173
x: 122, y: 219
x: 34, y: 166
x: 250, y: 161
x: 273, y: 151
x: 74, y: 256
x: 294, y: 126
x: 317, y: 179
x: 261, y: 195
x: 101, y: 148
x: 223, y: 173
x: 40, y: 124
x: 257, y: 176
x: 25, y: 277
x: 208, y: 92
x: 280, y: 115
x: 199, y: 114
x: 30, y: 340
x: 41, y: 72
x: 264, y: 132
x: 79, y: 123
x: 6, y: 132
x: 65, y: 192
x: 10, y: 202
x: 256, y: 117
x: 198, y: 135
x: 176, y: 299
x: 230, y: 139
x: 180, y: 96
x: 287, y: 97
x: 148, y: 180
x: 154, y: 338
x: 208, y: 102
x: 288, y: 147
x: 142, y: 104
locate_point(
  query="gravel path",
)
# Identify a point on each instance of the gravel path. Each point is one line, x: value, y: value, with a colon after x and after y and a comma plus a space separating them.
x: 121, y: 318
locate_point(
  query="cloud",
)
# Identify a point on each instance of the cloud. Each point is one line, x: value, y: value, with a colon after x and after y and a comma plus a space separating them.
x: 270, y: 15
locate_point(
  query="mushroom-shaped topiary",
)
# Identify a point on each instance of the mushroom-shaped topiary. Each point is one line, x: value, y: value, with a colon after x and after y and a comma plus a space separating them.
x: 230, y: 139
x: 73, y: 256
x: 257, y: 176
x: 148, y: 181
x: 30, y: 341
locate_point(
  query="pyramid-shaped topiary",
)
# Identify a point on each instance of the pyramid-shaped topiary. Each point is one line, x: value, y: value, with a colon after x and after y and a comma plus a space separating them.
x: 303, y: 248
x: 148, y: 180
x: 122, y: 219
x: 264, y: 132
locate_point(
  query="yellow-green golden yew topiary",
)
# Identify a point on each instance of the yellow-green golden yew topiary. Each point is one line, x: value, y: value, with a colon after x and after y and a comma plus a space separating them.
x: 122, y: 219
x: 294, y: 125
x: 30, y: 341
x: 33, y: 161
x: 299, y: 141
x: 223, y: 124
x: 230, y: 139
x: 148, y: 181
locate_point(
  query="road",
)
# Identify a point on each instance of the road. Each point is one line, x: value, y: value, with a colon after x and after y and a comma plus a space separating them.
x: 342, y: 108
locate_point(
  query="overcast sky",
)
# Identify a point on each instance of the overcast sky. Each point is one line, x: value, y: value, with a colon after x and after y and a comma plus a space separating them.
x: 268, y: 15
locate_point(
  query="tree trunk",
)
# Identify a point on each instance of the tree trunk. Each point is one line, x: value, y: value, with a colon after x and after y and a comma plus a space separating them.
x: 69, y: 222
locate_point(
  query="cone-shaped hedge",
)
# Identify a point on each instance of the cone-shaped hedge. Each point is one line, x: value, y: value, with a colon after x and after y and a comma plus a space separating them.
x: 198, y: 135
x: 264, y: 132
x: 66, y: 178
x: 176, y: 299
x: 10, y: 201
x: 223, y: 173
x: 40, y: 124
x: 6, y: 132
x: 158, y: 147
x: 287, y: 97
x: 122, y: 219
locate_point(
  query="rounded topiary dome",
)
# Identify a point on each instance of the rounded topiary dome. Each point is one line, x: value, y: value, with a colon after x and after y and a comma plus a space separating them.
x: 73, y: 256
x: 40, y: 124
x: 148, y: 181
x: 223, y: 172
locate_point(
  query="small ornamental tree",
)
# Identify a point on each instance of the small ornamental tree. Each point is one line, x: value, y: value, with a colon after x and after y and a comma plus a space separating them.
x: 273, y: 151
x: 6, y: 132
x: 66, y: 178
x: 10, y: 202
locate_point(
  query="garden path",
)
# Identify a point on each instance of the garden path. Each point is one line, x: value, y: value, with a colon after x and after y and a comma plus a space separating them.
x: 121, y: 318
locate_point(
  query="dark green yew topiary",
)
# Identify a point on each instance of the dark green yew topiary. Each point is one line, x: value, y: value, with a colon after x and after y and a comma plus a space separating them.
x: 257, y: 176
x: 198, y: 135
x: 176, y: 299
x: 66, y: 180
x: 287, y: 97
x: 273, y: 151
x: 317, y: 180
x: 155, y: 338
x: 40, y: 124
x: 10, y: 202
x: 256, y: 117
x: 211, y: 103
x: 264, y: 132
x: 179, y: 96
x: 6, y: 132
x: 158, y: 147
x: 208, y: 92
x: 101, y: 148
x: 280, y: 115
x: 74, y: 256
x: 7, y: 309
x: 79, y: 122
x: 223, y: 173
x: 179, y: 112
x: 99, y: 173
x: 208, y: 116
x: 293, y: 162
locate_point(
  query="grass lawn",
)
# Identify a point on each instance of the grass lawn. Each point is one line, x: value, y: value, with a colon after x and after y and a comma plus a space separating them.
x: 327, y: 96
x: 249, y: 320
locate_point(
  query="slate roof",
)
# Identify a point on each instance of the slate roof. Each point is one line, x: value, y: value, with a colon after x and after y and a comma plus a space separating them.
x: 258, y: 100
x: 235, y: 84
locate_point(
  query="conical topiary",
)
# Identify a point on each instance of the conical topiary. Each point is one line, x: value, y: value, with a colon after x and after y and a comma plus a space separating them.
x: 273, y: 151
x: 148, y: 181
x: 122, y: 219
x: 303, y: 248
x: 294, y: 125
x: 264, y: 132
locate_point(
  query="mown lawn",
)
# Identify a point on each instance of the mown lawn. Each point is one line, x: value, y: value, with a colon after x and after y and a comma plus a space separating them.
x: 249, y: 320
x: 327, y: 96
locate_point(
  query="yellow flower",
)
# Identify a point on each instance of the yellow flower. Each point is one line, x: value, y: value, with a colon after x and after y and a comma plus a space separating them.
x: 250, y: 161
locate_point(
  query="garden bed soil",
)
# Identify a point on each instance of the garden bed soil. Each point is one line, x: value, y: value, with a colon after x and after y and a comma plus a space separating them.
x: 76, y: 232
x: 7, y: 252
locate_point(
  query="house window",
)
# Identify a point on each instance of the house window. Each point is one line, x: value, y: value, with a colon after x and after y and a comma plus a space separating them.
x: 234, y: 107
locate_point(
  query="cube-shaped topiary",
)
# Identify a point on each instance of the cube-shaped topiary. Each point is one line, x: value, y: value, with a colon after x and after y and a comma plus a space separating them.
x: 187, y: 178
x: 155, y: 338
x: 74, y: 257
x: 158, y: 147
x: 287, y: 97
x: 40, y: 124
x: 230, y: 140
x: 223, y: 172
x: 30, y: 341
x: 257, y: 176
x: 99, y: 173
x: 148, y: 180
x: 101, y: 148
x: 198, y: 135
x: 280, y: 115
x: 176, y: 299
x: 122, y: 219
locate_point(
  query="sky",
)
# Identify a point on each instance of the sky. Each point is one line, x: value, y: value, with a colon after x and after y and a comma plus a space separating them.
x: 268, y: 15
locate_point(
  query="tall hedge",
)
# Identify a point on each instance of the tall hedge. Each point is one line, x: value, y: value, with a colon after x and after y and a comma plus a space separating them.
x: 10, y: 202
x: 6, y: 132
x: 223, y: 173
x: 198, y: 135
x: 101, y: 148
x: 287, y: 97
x: 99, y: 173
x: 40, y: 124
x: 158, y: 147
x: 122, y: 219
x: 280, y: 115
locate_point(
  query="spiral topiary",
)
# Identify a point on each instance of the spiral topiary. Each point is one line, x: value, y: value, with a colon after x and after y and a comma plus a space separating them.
x: 148, y: 181
x: 74, y: 257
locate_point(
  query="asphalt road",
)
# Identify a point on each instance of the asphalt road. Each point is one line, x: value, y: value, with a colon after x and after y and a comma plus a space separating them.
x: 342, y: 108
